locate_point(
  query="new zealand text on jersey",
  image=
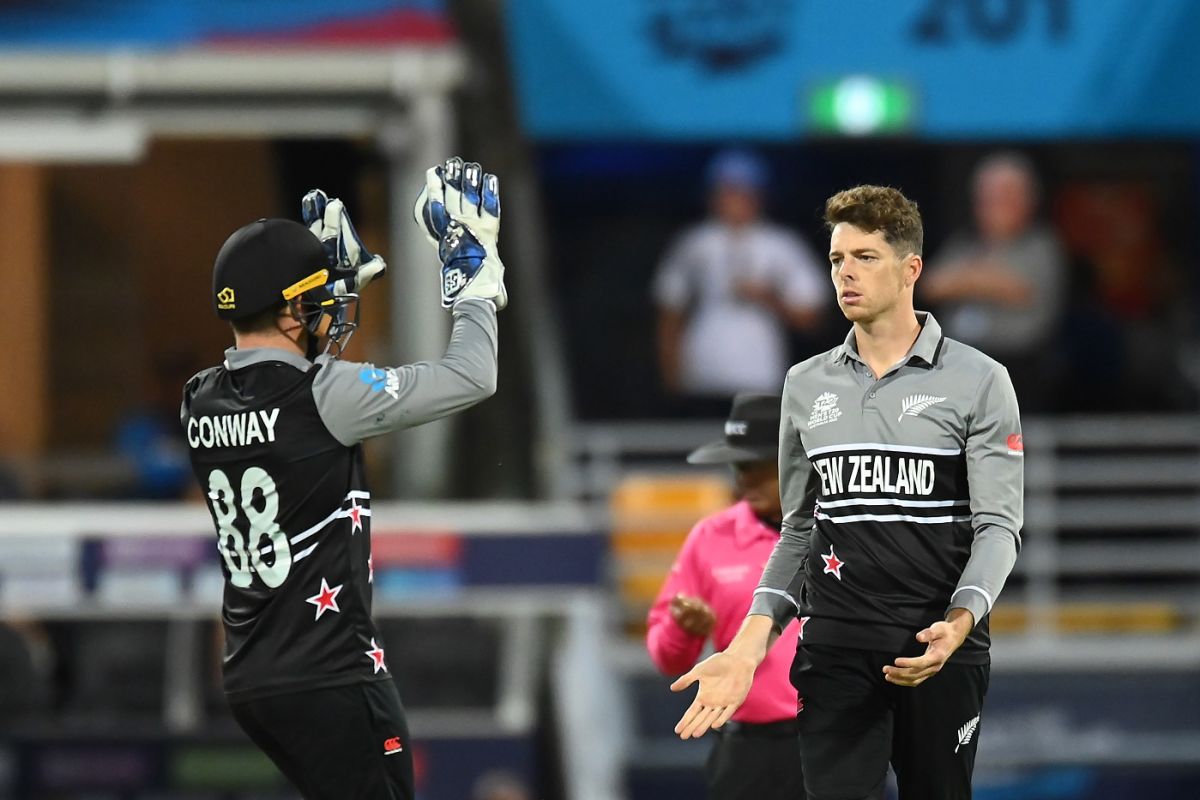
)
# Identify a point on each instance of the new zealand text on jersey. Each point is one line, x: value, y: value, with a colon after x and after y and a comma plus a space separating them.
x: 232, y: 430
x: 875, y: 473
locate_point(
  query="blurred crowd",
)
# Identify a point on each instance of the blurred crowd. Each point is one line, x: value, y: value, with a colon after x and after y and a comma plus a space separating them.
x: 1030, y: 280
x: 1074, y: 285
x: 1074, y: 281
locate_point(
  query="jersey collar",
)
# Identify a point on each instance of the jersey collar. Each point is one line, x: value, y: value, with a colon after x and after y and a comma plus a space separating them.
x: 927, y: 348
x: 239, y: 359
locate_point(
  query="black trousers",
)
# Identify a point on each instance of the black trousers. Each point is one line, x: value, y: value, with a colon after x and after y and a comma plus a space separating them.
x: 335, y: 744
x: 854, y: 723
x: 755, y: 762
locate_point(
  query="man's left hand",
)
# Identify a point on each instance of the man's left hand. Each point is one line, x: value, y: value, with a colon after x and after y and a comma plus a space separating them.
x: 459, y: 210
x: 941, y: 639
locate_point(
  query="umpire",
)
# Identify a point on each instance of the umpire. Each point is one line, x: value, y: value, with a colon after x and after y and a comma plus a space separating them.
x: 901, y: 483
x: 707, y: 594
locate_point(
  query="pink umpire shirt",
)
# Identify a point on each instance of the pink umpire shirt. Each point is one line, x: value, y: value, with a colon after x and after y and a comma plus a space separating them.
x: 720, y: 563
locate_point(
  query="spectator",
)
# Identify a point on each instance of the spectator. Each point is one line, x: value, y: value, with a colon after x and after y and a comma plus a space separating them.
x: 150, y: 435
x: 728, y: 291
x: 1003, y: 287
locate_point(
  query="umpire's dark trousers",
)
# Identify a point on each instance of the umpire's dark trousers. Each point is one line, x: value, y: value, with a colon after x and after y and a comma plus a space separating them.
x: 756, y: 762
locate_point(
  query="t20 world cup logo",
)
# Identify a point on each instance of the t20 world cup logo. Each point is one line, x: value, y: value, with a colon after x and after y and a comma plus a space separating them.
x: 722, y: 35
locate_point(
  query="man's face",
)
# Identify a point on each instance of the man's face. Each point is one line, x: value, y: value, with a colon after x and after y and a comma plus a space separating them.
x: 292, y: 326
x: 758, y: 484
x: 735, y: 205
x: 1004, y: 200
x: 870, y: 278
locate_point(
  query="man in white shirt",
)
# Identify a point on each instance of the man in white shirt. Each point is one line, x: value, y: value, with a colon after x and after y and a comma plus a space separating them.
x: 730, y: 289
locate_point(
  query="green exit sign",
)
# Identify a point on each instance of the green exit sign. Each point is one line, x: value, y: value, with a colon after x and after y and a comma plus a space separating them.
x: 861, y: 105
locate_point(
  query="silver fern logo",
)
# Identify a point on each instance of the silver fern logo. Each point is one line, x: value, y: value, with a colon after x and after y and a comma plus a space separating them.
x: 967, y: 732
x: 914, y: 404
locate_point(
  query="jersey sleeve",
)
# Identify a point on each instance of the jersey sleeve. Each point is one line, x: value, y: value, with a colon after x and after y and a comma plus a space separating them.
x: 995, y: 474
x: 673, y: 649
x: 778, y: 592
x: 359, y: 400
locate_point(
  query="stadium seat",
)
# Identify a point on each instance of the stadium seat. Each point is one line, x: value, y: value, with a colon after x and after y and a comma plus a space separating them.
x: 652, y: 514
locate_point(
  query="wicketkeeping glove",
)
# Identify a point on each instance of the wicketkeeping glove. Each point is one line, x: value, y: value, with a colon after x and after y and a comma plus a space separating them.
x: 459, y: 210
x: 352, y: 265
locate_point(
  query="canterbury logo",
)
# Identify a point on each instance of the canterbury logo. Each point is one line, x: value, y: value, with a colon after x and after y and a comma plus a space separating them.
x: 392, y: 746
x: 914, y: 404
x: 967, y: 732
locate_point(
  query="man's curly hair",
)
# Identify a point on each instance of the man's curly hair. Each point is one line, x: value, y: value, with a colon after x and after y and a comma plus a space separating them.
x: 879, y: 208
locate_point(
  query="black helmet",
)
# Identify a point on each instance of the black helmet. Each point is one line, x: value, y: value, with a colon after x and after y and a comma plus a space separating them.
x: 273, y: 261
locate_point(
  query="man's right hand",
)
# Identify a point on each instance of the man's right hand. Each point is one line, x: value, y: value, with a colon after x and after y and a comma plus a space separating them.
x: 352, y: 265
x: 725, y: 680
x: 693, y: 615
x: 725, y: 677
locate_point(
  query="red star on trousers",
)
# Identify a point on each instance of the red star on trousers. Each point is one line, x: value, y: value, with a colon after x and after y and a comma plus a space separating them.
x: 355, y: 517
x: 370, y: 570
x: 376, y: 656
x: 833, y: 564
x: 325, y: 600
x: 803, y: 622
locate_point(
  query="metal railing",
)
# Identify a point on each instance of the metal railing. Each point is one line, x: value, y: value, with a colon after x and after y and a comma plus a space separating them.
x: 1112, y: 525
x: 1112, y: 520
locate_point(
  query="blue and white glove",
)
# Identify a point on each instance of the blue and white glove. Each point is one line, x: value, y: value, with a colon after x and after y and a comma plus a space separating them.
x: 351, y: 264
x: 459, y: 210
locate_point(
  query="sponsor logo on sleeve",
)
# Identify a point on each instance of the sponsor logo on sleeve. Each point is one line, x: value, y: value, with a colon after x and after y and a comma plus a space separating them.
x: 392, y: 746
x: 381, y: 380
x: 1016, y: 444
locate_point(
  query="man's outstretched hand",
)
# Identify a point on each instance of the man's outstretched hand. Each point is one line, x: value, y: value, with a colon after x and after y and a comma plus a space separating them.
x: 725, y: 680
x: 941, y: 639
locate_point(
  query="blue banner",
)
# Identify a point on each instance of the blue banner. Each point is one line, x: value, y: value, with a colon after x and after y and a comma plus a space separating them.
x: 779, y: 69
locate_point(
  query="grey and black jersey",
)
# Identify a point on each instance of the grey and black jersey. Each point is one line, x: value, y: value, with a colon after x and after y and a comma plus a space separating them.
x: 902, y: 496
x: 275, y: 442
